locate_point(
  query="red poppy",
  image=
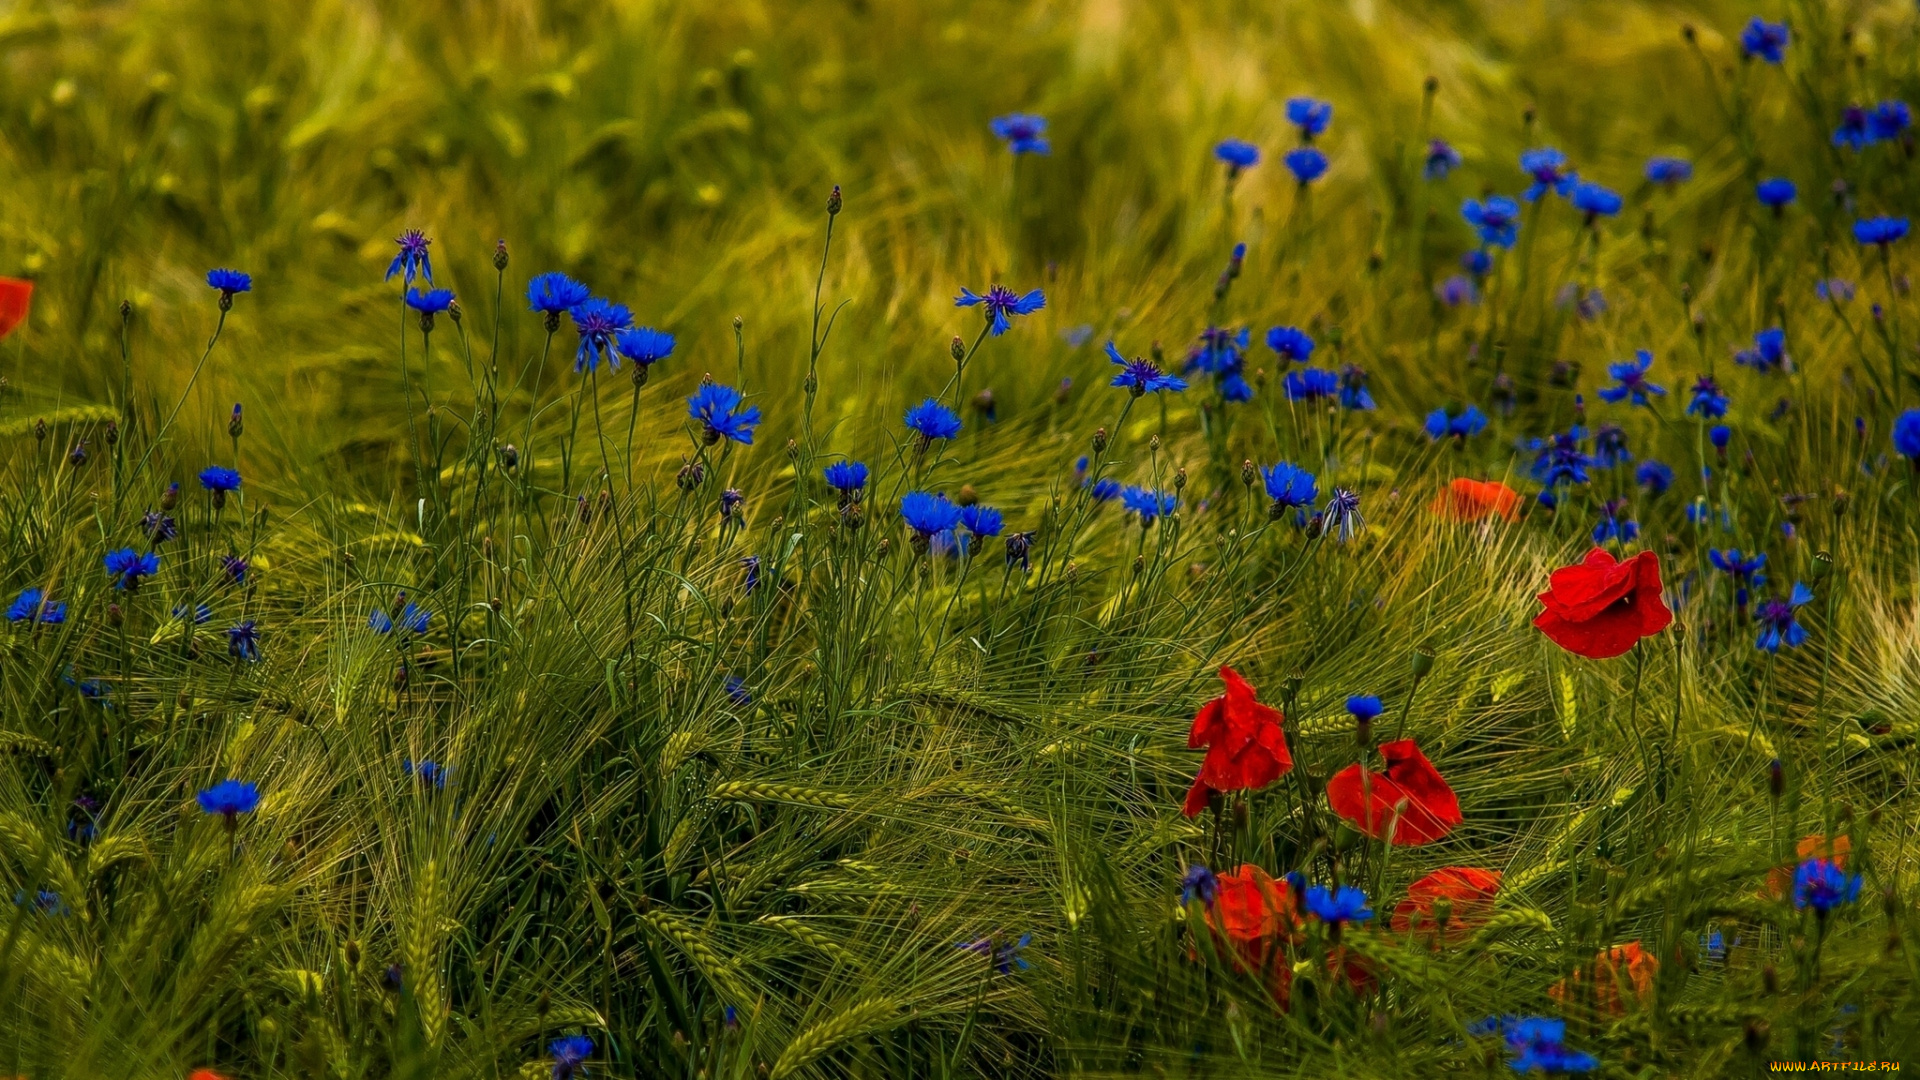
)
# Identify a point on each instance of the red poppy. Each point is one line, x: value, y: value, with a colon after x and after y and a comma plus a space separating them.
x: 1245, y: 746
x: 1780, y: 878
x: 1600, y: 608
x: 15, y: 296
x: 1469, y: 889
x: 1615, y: 973
x: 204, y: 1074
x: 1410, y: 796
x: 1471, y: 500
x: 1256, y: 915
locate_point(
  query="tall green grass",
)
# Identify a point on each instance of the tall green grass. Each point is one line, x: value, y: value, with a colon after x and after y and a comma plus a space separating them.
x: 776, y: 877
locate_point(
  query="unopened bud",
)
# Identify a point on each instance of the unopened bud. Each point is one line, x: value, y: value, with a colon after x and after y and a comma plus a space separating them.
x: 833, y: 201
x: 500, y: 255
x: 1757, y: 1033
x: 1776, y: 778
x: 234, y: 426
x: 1432, y: 84
x: 126, y: 312
x: 967, y: 496
x: 115, y: 617
x: 1248, y: 473
x: 353, y: 954
x: 957, y: 349
x: 112, y: 432
x: 1770, y: 979
x: 1179, y: 478
x: 1099, y: 440
x: 40, y: 429
x: 509, y: 457
x: 1241, y: 816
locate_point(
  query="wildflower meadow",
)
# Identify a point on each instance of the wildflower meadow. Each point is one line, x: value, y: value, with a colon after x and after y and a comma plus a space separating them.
x: 1030, y: 538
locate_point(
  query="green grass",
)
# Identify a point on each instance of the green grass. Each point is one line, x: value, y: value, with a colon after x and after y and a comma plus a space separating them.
x: 928, y: 751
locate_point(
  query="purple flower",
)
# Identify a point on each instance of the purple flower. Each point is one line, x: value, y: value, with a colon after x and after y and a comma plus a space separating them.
x: 412, y: 259
x: 1441, y: 159
x: 1763, y: 39
x: 1548, y: 168
x: 999, y: 302
x: 1024, y: 133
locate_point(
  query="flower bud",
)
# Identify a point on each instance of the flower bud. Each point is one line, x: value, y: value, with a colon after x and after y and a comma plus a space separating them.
x: 500, y: 255
x: 1248, y: 473
x: 509, y: 457
x: 1422, y: 663
x: 1776, y: 778
x: 1242, y: 818
x: 112, y: 433
x: 1431, y: 85
x: 115, y: 617
x: 967, y: 496
x: 1099, y: 440
x: 40, y: 429
x: 1153, y: 444
x: 1770, y: 979
x: 834, y: 201
x: 1757, y: 1033
x: 126, y: 312
x: 1179, y: 478
x: 234, y: 427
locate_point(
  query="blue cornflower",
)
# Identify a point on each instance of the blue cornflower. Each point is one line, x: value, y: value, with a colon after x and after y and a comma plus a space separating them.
x: 598, y: 322
x: 1777, y: 192
x: 999, y: 302
x: 159, y: 527
x: 750, y: 579
x: 243, y: 641
x: 1148, y: 503
x: 413, y: 620
x: 718, y: 408
x: 552, y: 293
x: 933, y: 420
x: 1478, y: 262
x: 570, y: 1056
x: 127, y: 566
x: 1238, y: 154
x: 1889, y: 119
x: 846, y: 477
x: 1708, y: 401
x: 1769, y: 352
x: 1471, y: 421
x: 426, y: 771
x: 1779, y: 621
x: 1141, y: 376
x: 1311, y: 116
x: 1024, y: 133
x: 1559, y: 459
x: 1539, y: 1044
x: 1353, y: 388
x: 1655, y: 476
x: 1221, y: 351
x: 1611, y: 528
x: 927, y: 513
x: 1631, y: 377
x: 46, y: 901
x: 1364, y: 706
x: 1548, y: 168
x: 1854, y: 130
x: 229, y: 282
x: 1610, y: 446
x: 412, y: 258
x: 1006, y: 959
x: 1763, y: 39
x: 1820, y: 884
x: 737, y: 692
x: 1906, y: 435
x: 235, y: 568
x: 33, y: 604
x: 1720, y: 435
x: 1831, y: 289
x: 1669, y: 170
x: 1105, y: 489
x: 1879, y: 230
x: 219, y: 478
x: 1341, y: 905
x: 644, y: 345
x: 1497, y: 219
x: 1456, y: 290
x: 200, y: 614
x: 1200, y: 884
x: 1310, y: 384
x: 230, y: 797
x: 982, y: 520
x: 1595, y: 201
x: 1289, y: 486
x: 1441, y: 159
x: 1307, y: 164
x: 1291, y: 343
x: 1342, y: 515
